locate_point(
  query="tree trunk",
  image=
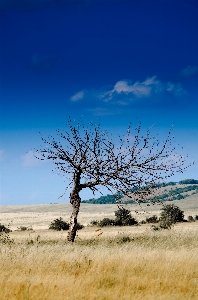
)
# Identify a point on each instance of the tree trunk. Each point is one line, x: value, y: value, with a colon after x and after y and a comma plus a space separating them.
x: 75, y: 202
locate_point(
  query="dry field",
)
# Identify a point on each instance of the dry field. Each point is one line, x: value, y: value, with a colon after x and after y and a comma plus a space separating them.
x: 122, y: 263
x: 40, y: 216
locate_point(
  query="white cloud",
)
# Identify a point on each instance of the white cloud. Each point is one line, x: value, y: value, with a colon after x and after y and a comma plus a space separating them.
x: 124, y: 91
x: 78, y: 96
x: 138, y: 89
x: 29, y: 159
x: 189, y: 71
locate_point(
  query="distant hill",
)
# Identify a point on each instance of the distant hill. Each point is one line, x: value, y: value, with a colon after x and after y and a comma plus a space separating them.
x: 164, y: 192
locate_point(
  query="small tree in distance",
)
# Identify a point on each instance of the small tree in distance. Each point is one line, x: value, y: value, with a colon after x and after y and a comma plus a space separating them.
x: 170, y: 214
x: 91, y: 159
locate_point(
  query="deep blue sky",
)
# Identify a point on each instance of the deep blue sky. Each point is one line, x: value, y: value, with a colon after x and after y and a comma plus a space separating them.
x: 111, y: 61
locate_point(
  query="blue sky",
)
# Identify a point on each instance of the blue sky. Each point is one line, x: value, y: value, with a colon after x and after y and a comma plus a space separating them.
x: 109, y: 61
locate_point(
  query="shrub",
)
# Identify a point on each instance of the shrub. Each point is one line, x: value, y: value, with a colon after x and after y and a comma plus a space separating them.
x: 106, y: 222
x: 124, y: 217
x: 59, y: 224
x: 3, y: 228
x: 24, y: 228
x: 143, y: 222
x: 79, y: 226
x: 170, y: 215
x: 196, y: 218
x: 191, y: 219
x: 4, y: 235
x: 166, y: 223
x: 152, y: 219
x: 94, y: 223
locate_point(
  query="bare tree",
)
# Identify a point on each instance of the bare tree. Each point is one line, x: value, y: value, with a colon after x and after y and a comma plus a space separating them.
x: 90, y: 159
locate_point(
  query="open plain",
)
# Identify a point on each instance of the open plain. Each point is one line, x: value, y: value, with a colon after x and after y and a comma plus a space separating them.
x: 126, y: 263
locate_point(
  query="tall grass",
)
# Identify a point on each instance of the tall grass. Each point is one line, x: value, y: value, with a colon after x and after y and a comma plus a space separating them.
x: 153, y: 265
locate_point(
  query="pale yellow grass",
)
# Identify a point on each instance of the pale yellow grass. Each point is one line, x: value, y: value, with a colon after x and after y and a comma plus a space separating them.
x: 40, y: 216
x: 122, y: 263
x: 136, y: 264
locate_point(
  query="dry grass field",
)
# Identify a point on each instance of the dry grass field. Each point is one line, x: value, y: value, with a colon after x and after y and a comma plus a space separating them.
x: 40, y: 216
x: 122, y: 263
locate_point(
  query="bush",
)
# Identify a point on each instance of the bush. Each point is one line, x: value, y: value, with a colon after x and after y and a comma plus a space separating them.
x: 4, y: 235
x: 59, y: 224
x: 106, y: 222
x: 24, y: 228
x: 165, y: 223
x: 152, y: 219
x: 124, y: 217
x: 3, y: 228
x: 170, y: 215
x: 191, y: 219
x: 79, y: 226
x: 94, y: 223
x: 143, y: 222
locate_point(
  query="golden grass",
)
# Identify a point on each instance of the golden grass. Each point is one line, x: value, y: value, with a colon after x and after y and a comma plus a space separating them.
x: 141, y: 264
x: 40, y: 216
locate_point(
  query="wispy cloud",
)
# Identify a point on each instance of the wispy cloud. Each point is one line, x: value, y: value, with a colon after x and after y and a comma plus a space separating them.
x: 124, y: 91
x: 78, y: 96
x: 176, y: 89
x: 189, y: 71
x: 29, y: 159
x: 138, y: 89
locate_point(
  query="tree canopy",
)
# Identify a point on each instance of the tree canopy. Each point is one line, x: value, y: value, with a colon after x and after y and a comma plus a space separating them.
x: 89, y: 158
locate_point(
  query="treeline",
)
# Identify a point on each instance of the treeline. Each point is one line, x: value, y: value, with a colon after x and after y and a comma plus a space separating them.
x: 174, y: 194
x: 108, y: 199
x: 188, y: 181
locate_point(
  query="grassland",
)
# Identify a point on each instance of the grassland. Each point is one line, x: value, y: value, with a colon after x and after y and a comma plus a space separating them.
x: 121, y: 263
x: 40, y: 216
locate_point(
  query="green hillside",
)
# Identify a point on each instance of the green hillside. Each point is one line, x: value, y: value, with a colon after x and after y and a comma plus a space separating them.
x: 163, y: 192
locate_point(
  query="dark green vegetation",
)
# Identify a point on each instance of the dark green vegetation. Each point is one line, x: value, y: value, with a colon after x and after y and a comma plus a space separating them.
x: 170, y: 214
x: 176, y: 193
x: 3, y: 228
x: 108, y: 199
x: 123, y: 217
x: 60, y: 224
x: 188, y: 181
x: 4, y: 235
